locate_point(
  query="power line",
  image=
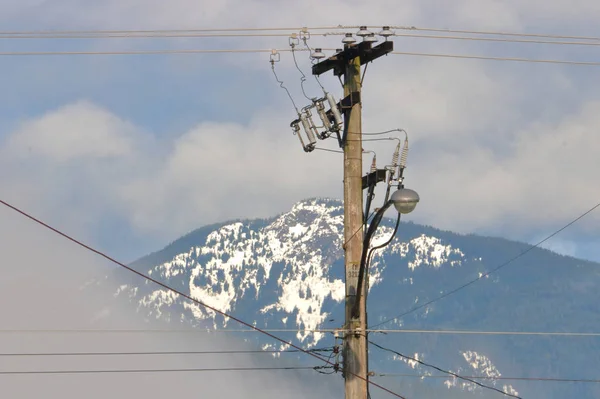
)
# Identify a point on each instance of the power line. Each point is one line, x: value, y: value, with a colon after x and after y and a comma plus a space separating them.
x: 153, y: 35
x: 128, y: 331
x: 444, y: 371
x: 189, y: 35
x: 512, y: 59
x: 257, y: 51
x: 494, y: 270
x: 174, y: 31
x: 121, y: 371
x: 160, y: 353
x: 143, y: 52
x: 189, y: 297
x: 286, y: 31
x: 311, y: 331
x: 467, y: 332
x: 491, y: 39
x: 539, y: 379
x: 492, y: 33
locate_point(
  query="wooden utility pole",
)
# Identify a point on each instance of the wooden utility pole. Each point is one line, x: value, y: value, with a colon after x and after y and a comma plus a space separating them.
x: 348, y: 63
x: 355, y: 343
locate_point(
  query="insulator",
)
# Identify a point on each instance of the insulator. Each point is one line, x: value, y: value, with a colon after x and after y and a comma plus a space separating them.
x: 374, y: 164
x: 386, y: 32
x: 404, y: 155
x: 396, y: 156
x: 363, y: 31
x: 309, y: 134
x: 311, y: 123
x: 322, y: 114
x: 403, y: 159
x: 370, y: 38
x: 296, y: 129
x: 335, y: 110
x: 318, y: 54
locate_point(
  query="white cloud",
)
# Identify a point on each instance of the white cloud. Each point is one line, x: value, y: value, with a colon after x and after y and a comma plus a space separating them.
x: 76, y: 131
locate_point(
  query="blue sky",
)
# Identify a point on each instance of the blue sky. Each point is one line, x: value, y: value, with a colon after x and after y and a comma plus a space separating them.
x: 130, y: 152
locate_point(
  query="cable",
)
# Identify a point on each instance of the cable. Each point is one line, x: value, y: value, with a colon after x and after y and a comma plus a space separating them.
x: 186, y: 296
x: 320, y: 331
x: 101, y: 32
x: 359, y: 229
x: 204, y: 34
x: 142, y: 52
x: 372, y: 250
x: 481, y: 57
x: 305, y: 40
x: 444, y: 371
x: 221, y: 352
x: 474, y: 32
x: 491, y: 39
x: 195, y: 331
x: 382, y: 132
x: 540, y: 379
x: 295, y: 29
x: 144, y: 35
x: 120, y: 371
x: 327, y: 149
x: 494, y: 270
x: 303, y: 78
x: 282, y: 86
x: 249, y: 51
x: 466, y: 332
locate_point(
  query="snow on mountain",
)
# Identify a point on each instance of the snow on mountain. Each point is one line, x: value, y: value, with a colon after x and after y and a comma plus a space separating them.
x: 287, y: 273
x: 235, y: 263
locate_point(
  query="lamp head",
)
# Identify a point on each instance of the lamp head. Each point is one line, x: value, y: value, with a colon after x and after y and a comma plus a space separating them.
x: 405, y: 200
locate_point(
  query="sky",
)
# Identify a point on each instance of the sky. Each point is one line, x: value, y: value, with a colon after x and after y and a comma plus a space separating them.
x: 130, y: 152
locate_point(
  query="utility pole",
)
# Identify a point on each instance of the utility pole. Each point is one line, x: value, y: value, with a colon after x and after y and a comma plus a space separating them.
x: 355, y: 348
x: 348, y: 63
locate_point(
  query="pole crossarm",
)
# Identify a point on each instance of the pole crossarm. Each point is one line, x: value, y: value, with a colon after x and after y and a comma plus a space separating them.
x: 364, y: 50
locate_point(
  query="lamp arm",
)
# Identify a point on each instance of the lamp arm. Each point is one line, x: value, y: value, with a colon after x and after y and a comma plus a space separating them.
x: 367, y: 240
x: 372, y: 250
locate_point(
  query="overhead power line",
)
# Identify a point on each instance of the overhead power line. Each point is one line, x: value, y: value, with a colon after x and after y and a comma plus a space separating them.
x: 143, y: 52
x: 176, y: 31
x: 494, y: 270
x: 171, y: 331
x: 501, y: 40
x: 257, y: 51
x: 159, y: 353
x: 467, y: 332
x: 190, y: 370
x: 312, y: 331
x: 495, y: 33
x: 190, y: 35
x: 538, y: 379
x: 339, y: 29
x: 444, y: 371
x: 189, y: 297
x: 489, y: 58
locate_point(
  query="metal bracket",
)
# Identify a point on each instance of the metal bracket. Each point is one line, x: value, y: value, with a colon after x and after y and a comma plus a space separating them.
x: 345, y: 106
x: 373, y: 178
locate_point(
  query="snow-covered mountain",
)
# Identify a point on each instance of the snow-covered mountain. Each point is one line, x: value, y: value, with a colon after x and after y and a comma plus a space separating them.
x: 287, y: 273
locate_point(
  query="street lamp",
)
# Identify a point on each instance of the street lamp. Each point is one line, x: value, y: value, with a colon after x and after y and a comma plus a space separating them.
x: 404, y: 200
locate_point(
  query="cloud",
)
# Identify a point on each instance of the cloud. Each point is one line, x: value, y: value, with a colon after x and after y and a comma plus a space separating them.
x: 74, y: 132
x: 49, y: 283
